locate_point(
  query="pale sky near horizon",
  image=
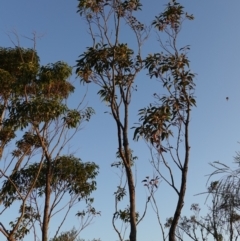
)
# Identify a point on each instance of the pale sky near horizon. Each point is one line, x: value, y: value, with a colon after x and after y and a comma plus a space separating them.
x: 214, y: 37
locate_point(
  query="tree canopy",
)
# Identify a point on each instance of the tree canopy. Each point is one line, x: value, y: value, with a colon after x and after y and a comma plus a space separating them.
x: 36, y: 125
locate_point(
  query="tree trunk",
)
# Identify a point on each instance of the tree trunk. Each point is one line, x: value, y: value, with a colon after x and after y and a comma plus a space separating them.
x: 47, y: 202
x: 183, y: 187
x: 11, y: 238
x: 179, y: 207
x: 131, y: 187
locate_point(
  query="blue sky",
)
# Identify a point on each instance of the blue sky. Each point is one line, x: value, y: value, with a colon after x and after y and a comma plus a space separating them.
x: 214, y: 38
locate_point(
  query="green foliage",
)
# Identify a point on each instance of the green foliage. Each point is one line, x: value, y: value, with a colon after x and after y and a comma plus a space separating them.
x: 172, y: 69
x: 52, y: 80
x: 19, y: 62
x: 87, y: 113
x: 172, y: 17
x: 111, y: 66
x: 69, y: 175
x: 71, y: 235
x: 120, y: 193
x: 96, y: 6
x: 31, y: 93
x: 68, y: 236
x: 155, y: 123
x: 119, y: 162
x: 124, y: 215
x: 89, y: 210
x: 29, y: 215
x: 72, y: 118
x: 18, y: 68
x: 35, y: 119
x: 101, y: 59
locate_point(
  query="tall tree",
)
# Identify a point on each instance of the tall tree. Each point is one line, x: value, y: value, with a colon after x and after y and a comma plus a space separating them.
x: 113, y: 66
x: 165, y: 123
x: 220, y: 223
x: 36, y: 120
x: 223, y: 219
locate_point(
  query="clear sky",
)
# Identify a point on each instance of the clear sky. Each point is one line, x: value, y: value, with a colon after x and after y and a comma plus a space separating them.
x: 214, y: 37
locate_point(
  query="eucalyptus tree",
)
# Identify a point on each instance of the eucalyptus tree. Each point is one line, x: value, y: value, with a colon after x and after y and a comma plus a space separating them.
x: 220, y: 223
x: 36, y: 127
x: 113, y: 66
x: 165, y: 123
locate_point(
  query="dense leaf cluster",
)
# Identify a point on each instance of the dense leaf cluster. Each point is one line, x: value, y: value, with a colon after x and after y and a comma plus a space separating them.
x: 36, y: 121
